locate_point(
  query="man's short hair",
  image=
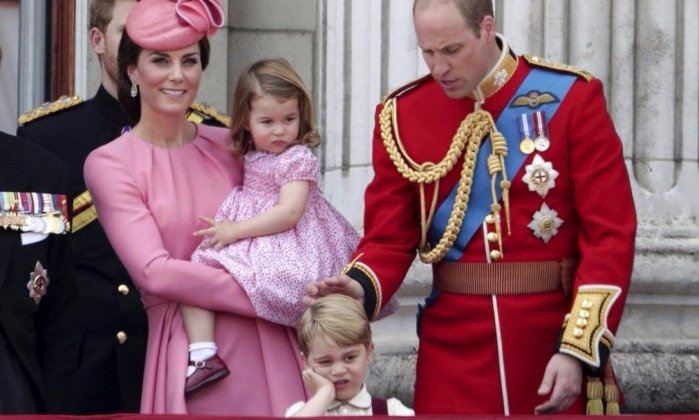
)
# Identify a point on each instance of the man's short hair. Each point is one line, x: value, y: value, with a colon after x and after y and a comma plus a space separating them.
x: 473, y: 12
x: 101, y: 13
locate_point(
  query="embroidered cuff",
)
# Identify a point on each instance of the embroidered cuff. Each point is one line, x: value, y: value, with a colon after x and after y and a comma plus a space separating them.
x: 372, y: 292
x: 585, y: 333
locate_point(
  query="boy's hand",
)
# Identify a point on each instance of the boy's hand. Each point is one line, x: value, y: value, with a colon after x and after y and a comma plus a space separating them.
x: 220, y: 233
x: 318, y: 385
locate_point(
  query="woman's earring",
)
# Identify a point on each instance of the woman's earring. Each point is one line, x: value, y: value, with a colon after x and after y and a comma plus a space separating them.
x: 134, y: 89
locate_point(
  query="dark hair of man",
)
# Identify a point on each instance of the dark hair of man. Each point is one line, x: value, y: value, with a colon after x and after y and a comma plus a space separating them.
x: 101, y: 13
x: 127, y: 56
x: 473, y: 12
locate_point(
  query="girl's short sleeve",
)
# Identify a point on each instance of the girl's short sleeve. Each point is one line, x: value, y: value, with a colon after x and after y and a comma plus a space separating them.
x: 297, y: 164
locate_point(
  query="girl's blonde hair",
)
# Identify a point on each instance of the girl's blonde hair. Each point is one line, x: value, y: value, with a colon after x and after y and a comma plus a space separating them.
x: 338, y: 317
x: 274, y: 77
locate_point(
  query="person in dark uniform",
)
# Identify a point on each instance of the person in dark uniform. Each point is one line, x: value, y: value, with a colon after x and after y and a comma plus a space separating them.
x: 112, y: 326
x: 37, y: 290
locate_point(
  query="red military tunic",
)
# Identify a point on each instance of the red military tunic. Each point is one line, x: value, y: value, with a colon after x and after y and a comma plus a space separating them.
x: 486, y: 353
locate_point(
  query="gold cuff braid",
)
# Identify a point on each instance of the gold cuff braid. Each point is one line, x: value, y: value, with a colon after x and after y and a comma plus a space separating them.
x: 587, y: 327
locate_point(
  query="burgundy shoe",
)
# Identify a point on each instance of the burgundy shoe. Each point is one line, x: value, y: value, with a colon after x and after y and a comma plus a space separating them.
x: 207, y: 372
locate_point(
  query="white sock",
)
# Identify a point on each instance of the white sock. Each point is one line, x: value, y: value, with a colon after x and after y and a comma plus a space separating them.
x: 200, y: 351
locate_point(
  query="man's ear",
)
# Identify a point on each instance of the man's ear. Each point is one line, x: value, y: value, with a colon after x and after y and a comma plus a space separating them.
x: 97, y: 41
x: 488, y: 30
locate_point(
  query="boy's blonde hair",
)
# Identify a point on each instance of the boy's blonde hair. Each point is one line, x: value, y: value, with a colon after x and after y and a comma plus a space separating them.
x: 274, y: 77
x: 338, y: 317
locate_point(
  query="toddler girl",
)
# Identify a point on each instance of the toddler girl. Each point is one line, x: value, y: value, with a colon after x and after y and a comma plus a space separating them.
x: 275, y: 233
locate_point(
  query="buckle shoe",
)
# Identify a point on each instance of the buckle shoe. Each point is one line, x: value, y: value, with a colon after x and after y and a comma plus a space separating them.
x: 207, y: 372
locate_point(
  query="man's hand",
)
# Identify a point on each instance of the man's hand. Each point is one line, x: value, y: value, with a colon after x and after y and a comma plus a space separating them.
x: 564, y: 375
x: 340, y: 284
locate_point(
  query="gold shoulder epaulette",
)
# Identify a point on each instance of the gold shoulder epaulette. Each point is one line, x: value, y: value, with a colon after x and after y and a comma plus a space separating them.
x: 540, y: 62
x: 406, y: 87
x: 211, y: 112
x: 47, y: 108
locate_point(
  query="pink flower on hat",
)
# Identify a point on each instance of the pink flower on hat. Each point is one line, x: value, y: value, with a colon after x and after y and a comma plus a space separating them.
x: 203, y: 15
x: 166, y: 25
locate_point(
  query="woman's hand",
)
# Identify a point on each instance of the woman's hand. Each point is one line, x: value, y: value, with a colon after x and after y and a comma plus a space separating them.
x: 220, y: 233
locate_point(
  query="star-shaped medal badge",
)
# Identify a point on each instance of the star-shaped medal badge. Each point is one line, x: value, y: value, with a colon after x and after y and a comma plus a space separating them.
x: 545, y: 223
x: 38, y: 283
x: 540, y: 176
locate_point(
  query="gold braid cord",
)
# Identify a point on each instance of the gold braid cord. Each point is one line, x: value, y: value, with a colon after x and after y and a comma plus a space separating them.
x: 468, y: 137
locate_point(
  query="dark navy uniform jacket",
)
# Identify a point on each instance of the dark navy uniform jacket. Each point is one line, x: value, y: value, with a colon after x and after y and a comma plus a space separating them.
x: 112, y: 324
x: 37, y: 345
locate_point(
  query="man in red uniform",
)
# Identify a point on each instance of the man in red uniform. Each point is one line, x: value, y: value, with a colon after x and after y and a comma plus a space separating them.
x: 506, y: 174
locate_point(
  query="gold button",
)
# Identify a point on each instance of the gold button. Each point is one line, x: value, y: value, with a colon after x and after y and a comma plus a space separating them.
x: 123, y: 289
x: 490, y: 219
x: 121, y: 337
x: 586, y: 304
x: 492, y: 237
x: 584, y: 314
x: 582, y: 323
x: 496, y: 255
x: 578, y: 332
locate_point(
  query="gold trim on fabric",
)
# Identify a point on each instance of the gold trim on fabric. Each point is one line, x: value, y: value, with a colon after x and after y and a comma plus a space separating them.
x: 500, y: 74
x: 374, y: 282
x: 540, y: 62
x: 64, y: 102
x: 587, y: 325
x: 85, y: 217
x: 210, y: 111
x: 84, y: 211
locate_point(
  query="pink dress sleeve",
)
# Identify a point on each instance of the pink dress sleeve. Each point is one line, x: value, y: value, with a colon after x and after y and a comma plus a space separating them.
x: 134, y: 235
x: 297, y: 164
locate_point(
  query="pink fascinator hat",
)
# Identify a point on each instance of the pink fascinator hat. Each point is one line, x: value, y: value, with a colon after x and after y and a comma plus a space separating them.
x: 166, y: 25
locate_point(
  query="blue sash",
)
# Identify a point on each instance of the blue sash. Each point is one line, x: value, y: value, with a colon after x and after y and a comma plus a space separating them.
x: 558, y: 84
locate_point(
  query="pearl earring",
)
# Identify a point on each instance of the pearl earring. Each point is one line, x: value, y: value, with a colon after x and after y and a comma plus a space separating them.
x: 134, y: 89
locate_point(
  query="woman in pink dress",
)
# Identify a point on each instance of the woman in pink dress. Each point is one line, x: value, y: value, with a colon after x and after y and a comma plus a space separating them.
x: 149, y: 186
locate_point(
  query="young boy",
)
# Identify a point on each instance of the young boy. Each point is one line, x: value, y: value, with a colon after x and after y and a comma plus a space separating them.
x: 335, y: 339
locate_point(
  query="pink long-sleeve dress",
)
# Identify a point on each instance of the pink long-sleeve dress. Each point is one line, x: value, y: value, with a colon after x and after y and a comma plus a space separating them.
x: 148, y: 199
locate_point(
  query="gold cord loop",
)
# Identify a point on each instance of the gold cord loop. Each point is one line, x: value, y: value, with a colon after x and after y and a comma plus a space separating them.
x: 468, y: 137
